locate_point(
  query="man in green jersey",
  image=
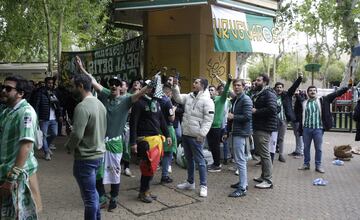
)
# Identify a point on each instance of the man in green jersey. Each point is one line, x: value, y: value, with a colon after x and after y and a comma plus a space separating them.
x: 214, y: 135
x: 117, y: 107
x: 18, y: 182
x: 316, y: 118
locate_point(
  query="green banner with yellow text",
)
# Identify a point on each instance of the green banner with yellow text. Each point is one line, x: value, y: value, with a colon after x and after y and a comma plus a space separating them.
x: 236, y: 31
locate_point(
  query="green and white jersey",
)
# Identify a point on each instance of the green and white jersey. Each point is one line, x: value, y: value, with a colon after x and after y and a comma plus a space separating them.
x: 281, y: 114
x: 17, y: 124
x: 312, y: 115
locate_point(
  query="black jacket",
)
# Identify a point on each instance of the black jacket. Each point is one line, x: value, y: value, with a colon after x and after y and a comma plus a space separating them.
x: 325, y: 101
x: 146, y: 119
x: 265, y: 118
x: 356, y: 118
x: 299, y: 98
x: 286, y: 98
x: 43, y: 100
x: 242, y: 110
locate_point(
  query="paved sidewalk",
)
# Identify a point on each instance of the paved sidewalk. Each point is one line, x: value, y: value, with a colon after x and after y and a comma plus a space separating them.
x: 293, y: 195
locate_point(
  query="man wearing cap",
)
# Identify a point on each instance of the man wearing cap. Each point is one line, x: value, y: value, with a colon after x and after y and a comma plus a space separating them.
x: 117, y: 107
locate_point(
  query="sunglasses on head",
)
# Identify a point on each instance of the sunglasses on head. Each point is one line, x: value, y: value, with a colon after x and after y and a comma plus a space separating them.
x: 7, y: 88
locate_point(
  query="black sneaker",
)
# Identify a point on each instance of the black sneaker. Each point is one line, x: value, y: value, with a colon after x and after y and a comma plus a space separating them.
x: 293, y: 154
x: 235, y: 186
x: 237, y: 193
x: 214, y: 169
x: 145, y: 197
x: 259, y: 179
x: 166, y: 179
x: 112, y: 204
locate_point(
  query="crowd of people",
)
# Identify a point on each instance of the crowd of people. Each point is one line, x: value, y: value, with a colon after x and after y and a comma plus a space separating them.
x: 151, y: 119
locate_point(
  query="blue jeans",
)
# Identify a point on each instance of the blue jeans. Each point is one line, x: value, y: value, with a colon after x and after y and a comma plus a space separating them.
x: 240, y: 160
x: 178, y: 132
x: 310, y: 134
x: 193, y: 151
x: 225, y: 145
x: 50, y: 131
x: 165, y: 162
x: 298, y: 139
x: 85, y: 174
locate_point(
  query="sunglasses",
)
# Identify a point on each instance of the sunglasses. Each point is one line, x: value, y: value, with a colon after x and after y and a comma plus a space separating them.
x: 115, y: 83
x: 7, y: 88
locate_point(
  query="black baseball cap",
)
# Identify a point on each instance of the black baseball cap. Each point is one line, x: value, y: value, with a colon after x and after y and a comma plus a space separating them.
x: 114, y: 80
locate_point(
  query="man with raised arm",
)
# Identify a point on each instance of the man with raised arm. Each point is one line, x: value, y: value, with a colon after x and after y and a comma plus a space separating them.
x: 117, y: 108
x: 197, y: 120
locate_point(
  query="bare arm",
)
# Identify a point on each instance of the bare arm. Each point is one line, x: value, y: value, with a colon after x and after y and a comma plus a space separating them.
x: 94, y: 83
x: 25, y: 147
x: 138, y: 95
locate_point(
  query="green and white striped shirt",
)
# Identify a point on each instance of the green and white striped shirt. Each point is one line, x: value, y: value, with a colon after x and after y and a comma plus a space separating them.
x: 312, y: 115
x: 281, y: 114
x: 17, y: 124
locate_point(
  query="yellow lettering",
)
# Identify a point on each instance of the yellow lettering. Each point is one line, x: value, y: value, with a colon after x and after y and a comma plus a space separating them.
x: 218, y: 33
x: 233, y: 29
x: 240, y: 26
x: 225, y: 28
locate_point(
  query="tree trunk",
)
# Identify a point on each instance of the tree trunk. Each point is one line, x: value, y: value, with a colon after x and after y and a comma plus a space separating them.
x: 241, y: 59
x: 351, y: 30
x: 47, y: 18
x: 59, y: 39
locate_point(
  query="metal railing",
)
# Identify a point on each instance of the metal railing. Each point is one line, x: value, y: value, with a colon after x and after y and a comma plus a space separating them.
x: 342, y: 121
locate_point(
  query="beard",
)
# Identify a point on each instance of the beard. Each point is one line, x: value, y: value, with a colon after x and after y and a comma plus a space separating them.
x: 258, y: 87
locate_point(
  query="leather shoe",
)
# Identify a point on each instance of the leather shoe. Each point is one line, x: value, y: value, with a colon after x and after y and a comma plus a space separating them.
x: 282, y: 159
x: 304, y: 167
x: 320, y: 170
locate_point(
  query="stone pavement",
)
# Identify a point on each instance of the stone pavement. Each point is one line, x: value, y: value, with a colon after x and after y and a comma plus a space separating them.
x: 293, y: 195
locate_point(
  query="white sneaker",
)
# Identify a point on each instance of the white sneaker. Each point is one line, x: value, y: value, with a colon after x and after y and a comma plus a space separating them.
x: 264, y: 185
x: 237, y: 172
x: 169, y: 169
x: 186, y: 185
x: 47, y: 156
x: 52, y: 147
x: 128, y: 172
x: 203, y: 191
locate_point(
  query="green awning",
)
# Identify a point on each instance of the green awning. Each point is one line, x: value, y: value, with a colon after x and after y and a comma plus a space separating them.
x: 149, y: 4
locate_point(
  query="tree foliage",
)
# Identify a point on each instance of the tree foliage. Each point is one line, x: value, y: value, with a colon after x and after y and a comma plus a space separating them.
x: 318, y: 19
x: 335, y: 73
x: 23, y: 33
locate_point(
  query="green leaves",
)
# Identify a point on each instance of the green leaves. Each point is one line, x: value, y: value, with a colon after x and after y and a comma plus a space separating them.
x: 23, y: 33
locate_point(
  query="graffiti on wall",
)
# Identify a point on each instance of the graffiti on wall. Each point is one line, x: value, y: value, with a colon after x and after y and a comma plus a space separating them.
x: 216, y: 68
